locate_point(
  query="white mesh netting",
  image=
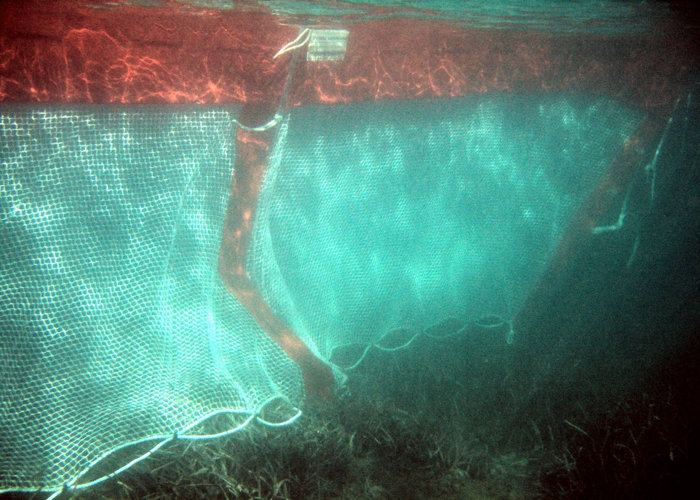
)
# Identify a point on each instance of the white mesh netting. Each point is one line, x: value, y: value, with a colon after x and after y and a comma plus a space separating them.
x: 372, y: 217
x: 397, y: 215
x: 115, y: 326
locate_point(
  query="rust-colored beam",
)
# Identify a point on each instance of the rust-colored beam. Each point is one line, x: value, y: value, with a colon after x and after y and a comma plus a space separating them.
x: 252, y: 152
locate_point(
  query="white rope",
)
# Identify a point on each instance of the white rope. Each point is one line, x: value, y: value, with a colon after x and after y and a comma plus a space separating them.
x: 651, y: 168
x: 479, y: 323
x: 178, y: 435
x: 301, y: 40
x: 261, y: 128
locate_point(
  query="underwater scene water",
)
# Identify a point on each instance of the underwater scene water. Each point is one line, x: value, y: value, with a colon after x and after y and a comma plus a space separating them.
x: 358, y: 250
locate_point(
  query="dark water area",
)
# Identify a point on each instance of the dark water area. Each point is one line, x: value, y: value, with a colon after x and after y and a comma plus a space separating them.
x: 618, y: 332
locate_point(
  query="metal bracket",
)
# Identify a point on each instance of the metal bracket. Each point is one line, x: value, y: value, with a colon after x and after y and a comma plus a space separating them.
x: 327, y: 45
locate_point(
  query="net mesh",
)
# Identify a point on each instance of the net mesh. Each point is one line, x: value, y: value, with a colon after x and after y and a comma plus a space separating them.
x: 377, y: 217
x: 372, y: 217
x: 115, y: 326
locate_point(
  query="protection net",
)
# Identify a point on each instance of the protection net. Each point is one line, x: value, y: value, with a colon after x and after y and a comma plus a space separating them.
x: 115, y: 326
x: 167, y: 272
x: 372, y: 218
x: 397, y: 216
